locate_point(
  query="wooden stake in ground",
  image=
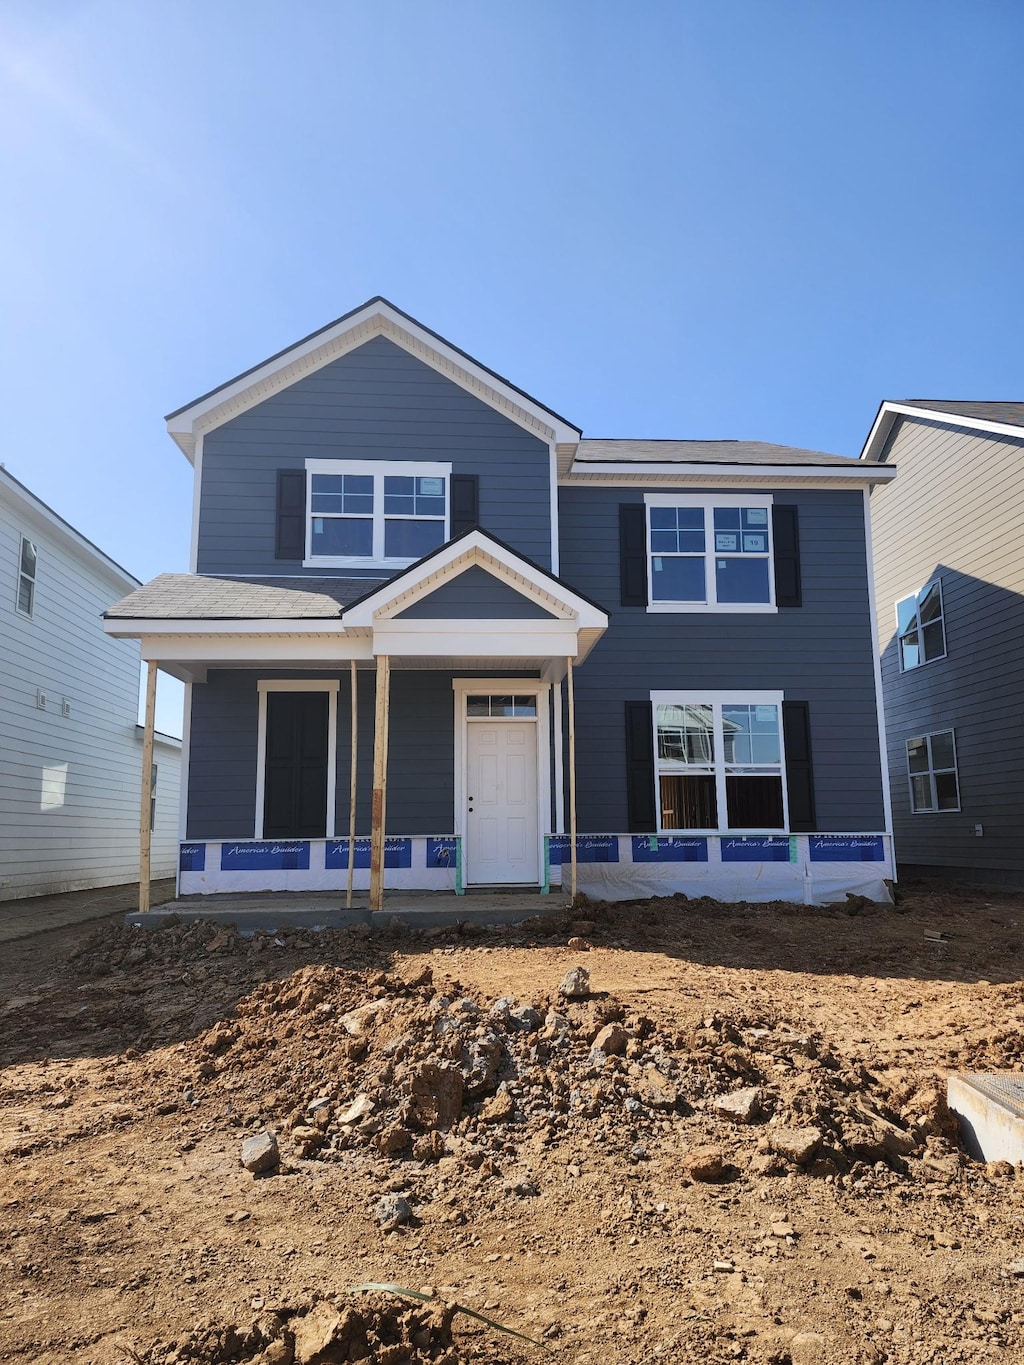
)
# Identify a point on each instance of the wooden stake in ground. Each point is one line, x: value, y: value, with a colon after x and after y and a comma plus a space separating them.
x: 572, y: 776
x: 352, y: 791
x: 378, y: 812
x: 146, y: 790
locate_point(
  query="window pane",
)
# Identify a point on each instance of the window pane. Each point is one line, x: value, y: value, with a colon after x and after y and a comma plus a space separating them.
x: 685, y: 734
x: 478, y: 706
x: 414, y: 496
x: 942, y: 750
x: 688, y: 802
x: 28, y: 559
x: 411, y: 539
x: 525, y: 706
x: 755, y: 542
x: 501, y: 706
x: 677, y: 580
x: 663, y: 541
x: 906, y: 614
x: 755, y: 518
x: 742, y: 580
x: 931, y: 604
x: 349, y: 536
x: 933, y: 643
x: 917, y: 755
x: 754, y: 802
x: 921, y: 793
x: 727, y: 542
x: 727, y: 519
x: 663, y: 518
x: 394, y: 505
x: 910, y: 651
x: 25, y: 595
x: 400, y: 485
x: 946, y: 791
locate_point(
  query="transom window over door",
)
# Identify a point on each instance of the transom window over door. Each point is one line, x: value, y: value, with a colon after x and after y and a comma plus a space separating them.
x: 709, y: 553
x: 382, y: 513
x: 719, y: 764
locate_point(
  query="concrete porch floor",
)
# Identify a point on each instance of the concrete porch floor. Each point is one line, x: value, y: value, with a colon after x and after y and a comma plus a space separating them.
x: 326, y: 909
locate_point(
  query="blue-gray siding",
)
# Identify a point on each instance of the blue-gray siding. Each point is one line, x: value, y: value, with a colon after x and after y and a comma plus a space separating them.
x: 377, y: 402
x: 475, y: 594
x: 820, y: 653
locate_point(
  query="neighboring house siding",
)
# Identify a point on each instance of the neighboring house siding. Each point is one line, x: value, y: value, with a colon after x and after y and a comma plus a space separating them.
x: 69, y: 786
x: 819, y: 653
x: 377, y: 402
x: 954, y: 512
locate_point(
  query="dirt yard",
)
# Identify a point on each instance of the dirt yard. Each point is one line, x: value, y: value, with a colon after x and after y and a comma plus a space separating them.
x: 730, y: 1146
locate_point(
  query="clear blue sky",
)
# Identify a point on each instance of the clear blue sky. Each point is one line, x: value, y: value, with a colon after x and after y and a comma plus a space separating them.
x: 749, y: 218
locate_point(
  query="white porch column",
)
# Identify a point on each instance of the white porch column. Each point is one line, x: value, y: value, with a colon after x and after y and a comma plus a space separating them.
x: 146, y: 790
x: 572, y: 774
x: 378, y: 812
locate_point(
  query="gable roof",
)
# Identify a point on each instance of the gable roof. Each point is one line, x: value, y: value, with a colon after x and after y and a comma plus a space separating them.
x: 999, y: 418
x: 376, y: 317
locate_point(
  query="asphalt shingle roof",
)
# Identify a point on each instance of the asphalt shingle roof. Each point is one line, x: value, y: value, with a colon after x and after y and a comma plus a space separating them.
x: 700, y: 452
x: 1011, y: 413
x: 200, y: 597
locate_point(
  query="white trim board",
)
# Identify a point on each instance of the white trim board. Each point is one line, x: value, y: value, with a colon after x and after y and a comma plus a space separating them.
x: 328, y: 685
x: 885, y: 420
x: 623, y: 473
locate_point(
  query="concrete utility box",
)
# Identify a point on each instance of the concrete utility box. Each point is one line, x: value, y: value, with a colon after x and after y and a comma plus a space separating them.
x: 990, y: 1108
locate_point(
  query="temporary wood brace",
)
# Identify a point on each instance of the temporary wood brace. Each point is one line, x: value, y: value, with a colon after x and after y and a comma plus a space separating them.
x: 352, y: 792
x: 572, y: 773
x: 378, y: 811
x: 146, y: 791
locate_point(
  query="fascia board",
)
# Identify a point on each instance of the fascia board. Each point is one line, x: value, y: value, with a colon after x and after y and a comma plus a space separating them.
x: 133, y: 627
x: 888, y: 413
x: 211, y: 651
x: 306, y: 357
x: 856, y: 475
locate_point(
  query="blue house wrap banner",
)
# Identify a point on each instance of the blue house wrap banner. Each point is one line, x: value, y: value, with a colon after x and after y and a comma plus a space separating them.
x: 397, y: 853
x: 659, y: 848
x: 276, y: 855
x: 590, y: 848
x: 846, y: 848
x: 442, y: 852
x: 192, y: 858
x: 756, y: 849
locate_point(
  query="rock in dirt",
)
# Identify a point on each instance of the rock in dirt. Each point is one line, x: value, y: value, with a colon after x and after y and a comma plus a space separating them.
x: 316, y: 1333
x: 358, y: 1021
x: 741, y: 1106
x: 612, y: 1040
x: 360, y: 1108
x: 436, y: 1093
x: 260, y: 1153
x: 575, y: 984
x: 798, y: 1145
x: 704, y: 1163
x: 392, y: 1211
x: 498, y: 1108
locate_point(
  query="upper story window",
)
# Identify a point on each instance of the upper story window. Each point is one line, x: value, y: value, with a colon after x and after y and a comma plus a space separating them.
x: 710, y: 553
x: 375, y: 513
x: 931, y: 764
x: 26, y: 599
x: 719, y: 763
x: 919, y: 626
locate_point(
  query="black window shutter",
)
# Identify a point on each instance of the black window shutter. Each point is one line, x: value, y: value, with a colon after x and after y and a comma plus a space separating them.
x: 633, y: 554
x: 641, y: 812
x: 291, y: 514
x: 796, y: 730
x: 786, y: 538
x: 465, y: 499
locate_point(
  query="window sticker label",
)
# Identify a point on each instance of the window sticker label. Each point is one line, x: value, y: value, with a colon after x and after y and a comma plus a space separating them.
x: 431, y: 488
x: 590, y: 848
x: 192, y: 858
x: 756, y: 516
x: 846, y: 848
x: 766, y: 714
x: 661, y: 848
x: 397, y: 853
x: 755, y: 543
x: 755, y: 849
x: 286, y: 855
x: 726, y: 540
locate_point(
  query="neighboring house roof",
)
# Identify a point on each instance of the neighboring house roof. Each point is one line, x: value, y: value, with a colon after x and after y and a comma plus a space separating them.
x: 997, y: 418
x: 202, y: 597
x: 376, y: 317
x: 53, y: 522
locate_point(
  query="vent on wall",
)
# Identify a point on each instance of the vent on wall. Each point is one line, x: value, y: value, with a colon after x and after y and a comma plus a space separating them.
x: 65, y: 707
x: 41, y: 700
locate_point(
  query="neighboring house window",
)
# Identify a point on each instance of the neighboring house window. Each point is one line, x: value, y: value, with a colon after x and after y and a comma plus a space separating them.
x: 931, y: 762
x: 919, y: 625
x: 719, y: 764
x: 709, y: 553
x: 382, y: 513
x: 27, y: 578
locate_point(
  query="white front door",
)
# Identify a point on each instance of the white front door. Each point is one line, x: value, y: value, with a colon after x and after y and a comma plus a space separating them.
x: 501, y: 806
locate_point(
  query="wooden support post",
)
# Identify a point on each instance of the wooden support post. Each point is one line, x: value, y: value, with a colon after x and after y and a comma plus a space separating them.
x: 572, y: 776
x: 352, y: 789
x: 378, y: 812
x: 146, y: 790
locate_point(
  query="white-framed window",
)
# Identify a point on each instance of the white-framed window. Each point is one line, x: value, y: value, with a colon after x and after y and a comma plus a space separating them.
x: 931, y: 768
x: 920, y: 628
x: 710, y: 552
x: 375, y: 513
x: 27, y: 562
x: 719, y: 762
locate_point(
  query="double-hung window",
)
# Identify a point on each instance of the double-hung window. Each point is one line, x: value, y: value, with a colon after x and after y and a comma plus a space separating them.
x: 920, y: 628
x: 26, y: 599
x: 931, y: 763
x: 374, y: 513
x: 719, y: 762
x: 709, y: 553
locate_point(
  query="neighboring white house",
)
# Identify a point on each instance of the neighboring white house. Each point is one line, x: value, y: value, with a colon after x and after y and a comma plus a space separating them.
x: 70, y: 745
